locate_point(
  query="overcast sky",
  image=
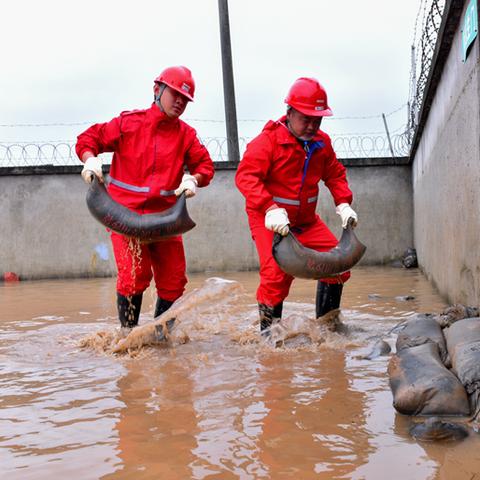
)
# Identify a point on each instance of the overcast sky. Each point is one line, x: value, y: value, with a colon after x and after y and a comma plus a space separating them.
x: 67, y: 62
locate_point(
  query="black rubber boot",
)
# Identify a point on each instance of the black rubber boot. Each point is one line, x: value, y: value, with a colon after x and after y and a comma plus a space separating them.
x: 328, y: 297
x: 268, y: 316
x: 129, y: 309
x: 162, y: 306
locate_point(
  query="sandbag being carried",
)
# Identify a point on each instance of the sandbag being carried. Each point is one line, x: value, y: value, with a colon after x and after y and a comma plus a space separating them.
x: 149, y: 227
x: 303, y: 262
x: 420, y: 330
x: 463, y: 343
x: 422, y: 385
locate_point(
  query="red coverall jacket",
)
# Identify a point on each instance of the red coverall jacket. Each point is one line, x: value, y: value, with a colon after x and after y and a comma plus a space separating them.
x: 277, y: 169
x: 150, y: 153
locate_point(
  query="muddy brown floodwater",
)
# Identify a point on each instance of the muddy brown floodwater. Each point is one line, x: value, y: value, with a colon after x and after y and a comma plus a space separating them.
x: 214, y: 403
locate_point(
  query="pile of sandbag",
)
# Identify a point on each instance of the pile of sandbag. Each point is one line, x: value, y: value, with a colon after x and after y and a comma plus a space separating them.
x: 436, y: 370
x: 463, y: 344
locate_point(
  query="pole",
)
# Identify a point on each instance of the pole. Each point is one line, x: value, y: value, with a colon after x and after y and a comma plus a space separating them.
x: 228, y: 87
x: 388, y: 135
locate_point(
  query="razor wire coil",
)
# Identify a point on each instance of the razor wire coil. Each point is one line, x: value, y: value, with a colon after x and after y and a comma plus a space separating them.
x: 28, y: 154
x: 427, y: 26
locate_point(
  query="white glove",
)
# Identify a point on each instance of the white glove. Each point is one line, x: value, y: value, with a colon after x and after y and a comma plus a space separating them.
x: 91, y: 167
x: 277, y: 220
x: 346, y: 213
x: 188, y: 185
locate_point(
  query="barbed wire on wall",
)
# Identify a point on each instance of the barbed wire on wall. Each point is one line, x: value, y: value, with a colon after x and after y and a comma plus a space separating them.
x: 347, y: 145
x: 427, y: 25
x: 370, y: 146
x: 200, y: 120
x: 27, y: 154
x: 359, y: 144
x: 23, y: 154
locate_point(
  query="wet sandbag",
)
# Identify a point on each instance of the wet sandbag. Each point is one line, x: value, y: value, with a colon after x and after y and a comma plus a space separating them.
x: 422, y: 385
x: 456, y: 312
x: 463, y: 343
x: 302, y: 262
x: 423, y: 329
x: 149, y: 227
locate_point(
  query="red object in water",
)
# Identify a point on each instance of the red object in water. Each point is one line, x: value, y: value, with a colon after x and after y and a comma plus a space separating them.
x: 10, y: 277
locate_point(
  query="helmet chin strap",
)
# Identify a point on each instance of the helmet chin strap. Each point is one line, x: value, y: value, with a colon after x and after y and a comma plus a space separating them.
x: 287, y: 123
x: 157, y: 97
x: 290, y: 129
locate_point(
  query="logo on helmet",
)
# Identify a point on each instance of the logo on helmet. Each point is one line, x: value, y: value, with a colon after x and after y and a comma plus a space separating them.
x: 185, y: 87
x: 319, y: 108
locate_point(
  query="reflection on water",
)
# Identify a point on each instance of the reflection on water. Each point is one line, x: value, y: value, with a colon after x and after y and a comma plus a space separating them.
x: 221, y: 405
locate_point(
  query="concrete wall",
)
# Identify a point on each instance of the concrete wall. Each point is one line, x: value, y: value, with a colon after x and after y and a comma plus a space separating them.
x: 446, y: 180
x: 47, y: 230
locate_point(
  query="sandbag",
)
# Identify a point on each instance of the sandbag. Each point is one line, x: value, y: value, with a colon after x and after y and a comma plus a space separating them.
x: 423, y: 329
x: 422, y: 385
x: 303, y: 262
x: 456, y: 312
x: 149, y: 227
x: 463, y: 343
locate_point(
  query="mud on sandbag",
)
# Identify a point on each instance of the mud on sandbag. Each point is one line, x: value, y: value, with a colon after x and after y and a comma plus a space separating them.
x: 456, y: 312
x: 420, y: 330
x: 463, y: 343
x: 422, y: 385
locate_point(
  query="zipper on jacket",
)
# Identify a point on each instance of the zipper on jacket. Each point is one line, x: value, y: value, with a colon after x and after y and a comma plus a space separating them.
x: 153, y: 169
x: 309, y: 148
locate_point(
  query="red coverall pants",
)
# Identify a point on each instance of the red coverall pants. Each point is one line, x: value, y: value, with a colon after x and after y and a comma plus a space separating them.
x: 274, y: 283
x: 138, y: 262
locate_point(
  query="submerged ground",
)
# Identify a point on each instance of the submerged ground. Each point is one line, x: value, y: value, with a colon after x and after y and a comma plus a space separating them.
x: 216, y: 402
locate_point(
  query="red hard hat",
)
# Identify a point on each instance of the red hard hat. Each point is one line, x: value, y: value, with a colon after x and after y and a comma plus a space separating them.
x: 180, y: 79
x: 308, y: 97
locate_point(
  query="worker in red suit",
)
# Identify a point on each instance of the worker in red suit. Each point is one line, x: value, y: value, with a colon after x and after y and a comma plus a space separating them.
x: 278, y: 176
x: 156, y: 157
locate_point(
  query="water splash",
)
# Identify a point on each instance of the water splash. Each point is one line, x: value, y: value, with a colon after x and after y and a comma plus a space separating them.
x: 213, y: 291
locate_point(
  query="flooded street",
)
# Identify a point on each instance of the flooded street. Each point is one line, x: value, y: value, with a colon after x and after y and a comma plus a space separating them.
x: 216, y: 402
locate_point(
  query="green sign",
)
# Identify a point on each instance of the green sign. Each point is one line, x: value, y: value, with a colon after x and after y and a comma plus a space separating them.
x: 470, y: 27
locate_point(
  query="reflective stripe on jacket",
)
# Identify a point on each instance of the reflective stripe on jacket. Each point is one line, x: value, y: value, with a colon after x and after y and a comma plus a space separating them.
x: 276, y: 169
x: 150, y: 153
